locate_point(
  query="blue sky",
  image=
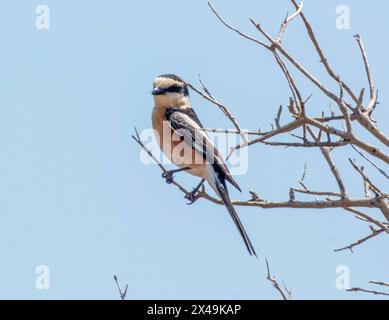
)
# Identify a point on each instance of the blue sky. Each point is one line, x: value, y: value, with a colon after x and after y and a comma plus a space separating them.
x: 76, y: 198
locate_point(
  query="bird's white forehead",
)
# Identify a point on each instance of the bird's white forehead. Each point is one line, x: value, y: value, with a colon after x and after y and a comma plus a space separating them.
x: 162, y: 82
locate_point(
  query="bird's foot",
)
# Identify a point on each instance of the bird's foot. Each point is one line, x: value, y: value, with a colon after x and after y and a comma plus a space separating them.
x: 196, y: 193
x: 168, y: 176
x: 192, y: 197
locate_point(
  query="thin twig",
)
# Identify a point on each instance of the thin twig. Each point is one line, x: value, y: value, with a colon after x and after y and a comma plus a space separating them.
x: 326, y: 154
x: 366, y: 217
x: 306, y: 144
x: 318, y: 193
x: 368, y: 291
x: 371, y: 162
x: 365, y: 178
x: 236, y: 132
x: 286, y: 128
x: 297, y: 64
x: 272, y: 279
x: 122, y: 293
x: 287, y: 20
x: 222, y: 107
x: 374, y: 233
x: 150, y: 154
x: 236, y: 30
x: 367, y: 65
x: 380, y: 283
x: 319, y: 51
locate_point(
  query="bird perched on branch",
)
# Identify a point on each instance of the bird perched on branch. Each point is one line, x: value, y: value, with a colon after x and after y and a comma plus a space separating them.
x: 178, y: 131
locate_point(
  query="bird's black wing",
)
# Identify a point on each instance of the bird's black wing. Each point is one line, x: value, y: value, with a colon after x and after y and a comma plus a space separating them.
x: 186, y: 123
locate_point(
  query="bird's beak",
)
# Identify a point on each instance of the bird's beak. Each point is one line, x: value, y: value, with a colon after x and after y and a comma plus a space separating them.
x: 157, y: 91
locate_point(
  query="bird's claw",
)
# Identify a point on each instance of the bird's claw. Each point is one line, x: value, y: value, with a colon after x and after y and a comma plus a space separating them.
x: 192, y: 197
x: 168, y: 176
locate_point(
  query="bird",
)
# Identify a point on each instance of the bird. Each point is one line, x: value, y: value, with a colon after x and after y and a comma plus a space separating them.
x: 176, y: 126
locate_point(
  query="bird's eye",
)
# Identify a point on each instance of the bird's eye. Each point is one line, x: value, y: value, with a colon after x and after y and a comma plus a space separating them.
x: 174, y: 89
x: 178, y: 89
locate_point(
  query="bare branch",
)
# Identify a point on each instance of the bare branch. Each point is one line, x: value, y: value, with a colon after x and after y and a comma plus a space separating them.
x: 368, y: 291
x: 304, y: 173
x: 367, y: 65
x: 374, y: 233
x: 380, y: 283
x: 323, y: 59
x: 222, y: 107
x: 298, y: 101
x: 236, y: 30
x: 327, y: 204
x: 326, y: 154
x: 371, y: 162
x: 287, y: 20
x: 365, y: 217
x: 236, y: 132
x: 150, y: 154
x: 373, y: 187
x: 298, y: 65
x: 342, y: 203
x: 272, y: 279
x: 287, y: 128
x: 317, y: 193
x: 364, y: 119
x: 372, y: 150
x: 307, y: 144
x: 343, y: 108
x: 278, y: 117
x: 122, y: 293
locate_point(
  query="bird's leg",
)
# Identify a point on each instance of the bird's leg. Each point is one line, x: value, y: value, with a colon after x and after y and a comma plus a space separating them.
x: 193, y: 196
x: 168, y: 175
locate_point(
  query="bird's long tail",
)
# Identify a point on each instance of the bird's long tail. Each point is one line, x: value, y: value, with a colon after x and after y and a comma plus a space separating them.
x: 218, y: 184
